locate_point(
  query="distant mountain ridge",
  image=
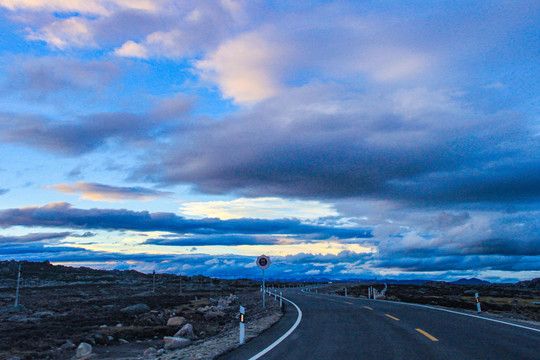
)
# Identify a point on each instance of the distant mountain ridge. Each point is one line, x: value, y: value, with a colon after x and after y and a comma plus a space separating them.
x: 471, y: 281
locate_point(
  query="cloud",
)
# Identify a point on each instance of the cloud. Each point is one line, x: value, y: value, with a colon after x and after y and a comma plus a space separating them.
x: 44, y: 77
x: 97, y: 7
x: 327, y: 141
x: 101, y: 192
x: 3, y: 191
x: 244, y: 68
x: 89, y: 132
x: 61, y: 34
x: 64, y: 215
x: 261, y: 208
x: 132, y: 49
x: 34, y: 237
x: 218, y: 240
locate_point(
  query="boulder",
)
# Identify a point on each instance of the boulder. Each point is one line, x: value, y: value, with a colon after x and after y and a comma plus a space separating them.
x: 136, y: 309
x: 83, y: 350
x: 176, y: 321
x: 172, y: 343
x: 150, y: 353
x: 186, y: 332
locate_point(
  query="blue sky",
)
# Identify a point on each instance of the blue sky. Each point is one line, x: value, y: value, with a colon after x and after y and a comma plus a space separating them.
x: 343, y: 139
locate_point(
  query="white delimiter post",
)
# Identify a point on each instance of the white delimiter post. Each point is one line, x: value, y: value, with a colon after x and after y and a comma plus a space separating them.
x: 477, y: 302
x: 280, y: 299
x: 242, y: 326
x: 18, y: 283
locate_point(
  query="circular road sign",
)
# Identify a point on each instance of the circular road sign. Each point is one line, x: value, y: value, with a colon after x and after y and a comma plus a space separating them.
x: 263, y: 262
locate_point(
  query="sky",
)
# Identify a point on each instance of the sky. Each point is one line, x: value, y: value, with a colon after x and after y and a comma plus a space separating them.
x: 344, y: 139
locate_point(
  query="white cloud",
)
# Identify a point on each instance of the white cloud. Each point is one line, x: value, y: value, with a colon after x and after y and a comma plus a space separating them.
x: 245, y: 68
x: 132, y: 49
x: 262, y: 208
x: 62, y: 34
x: 81, y: 6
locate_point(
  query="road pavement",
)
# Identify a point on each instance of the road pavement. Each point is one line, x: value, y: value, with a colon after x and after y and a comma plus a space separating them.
x: 334, y: 327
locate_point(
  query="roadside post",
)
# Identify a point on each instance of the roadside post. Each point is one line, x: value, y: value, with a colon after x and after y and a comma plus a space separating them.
x: 477, y: 302
x: 242, y: 325
x: 18, y: 284
x: 280, y: 299
x: 345, y: 292
x: 263, y: 262
x: 154, y: 281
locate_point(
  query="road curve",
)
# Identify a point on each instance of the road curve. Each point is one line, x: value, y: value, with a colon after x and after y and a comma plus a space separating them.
x: 335, y: 327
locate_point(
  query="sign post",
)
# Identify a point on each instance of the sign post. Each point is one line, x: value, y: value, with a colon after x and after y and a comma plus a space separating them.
x: 263, y: 262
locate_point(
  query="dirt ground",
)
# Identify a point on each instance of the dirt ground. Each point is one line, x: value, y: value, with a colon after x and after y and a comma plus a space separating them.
x: 60, y: 307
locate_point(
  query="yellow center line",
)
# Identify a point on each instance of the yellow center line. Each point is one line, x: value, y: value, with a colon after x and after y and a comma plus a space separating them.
x: 367, y: 307
x: 430, y: 337
x: 391, y: 317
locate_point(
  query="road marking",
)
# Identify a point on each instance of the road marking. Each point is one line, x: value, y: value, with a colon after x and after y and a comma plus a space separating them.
x: 346, y: 302
x: 465, y: 314
x: 430, y: 337
x: 367, y: 307
x: 284, y: 336
x: 391, y: 317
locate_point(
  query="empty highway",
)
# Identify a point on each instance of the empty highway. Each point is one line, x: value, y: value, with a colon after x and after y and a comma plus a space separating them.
x: 333, y: 327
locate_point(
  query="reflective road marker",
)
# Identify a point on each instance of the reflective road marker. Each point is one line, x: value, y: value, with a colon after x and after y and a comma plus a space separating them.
x: 391, y: 317
x: 430, y: 337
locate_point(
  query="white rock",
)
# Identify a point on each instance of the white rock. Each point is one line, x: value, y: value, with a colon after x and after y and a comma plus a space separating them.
x: 176, y: 321
x: 172, y: 343
x: 84, y: 349
x: 186, y: 332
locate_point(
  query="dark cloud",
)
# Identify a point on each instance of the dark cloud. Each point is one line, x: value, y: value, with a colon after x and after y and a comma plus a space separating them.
x: 83, y: 134
x: 416, y: 146
x: 101, y: 192
x: 64, y: 215
x: 34, y: 237
x: 45, y: 77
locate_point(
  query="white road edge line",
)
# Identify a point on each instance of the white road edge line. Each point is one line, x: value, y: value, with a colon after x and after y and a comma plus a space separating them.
x: 450, y: 311
x: 470, y: 315
x: 284, y: 336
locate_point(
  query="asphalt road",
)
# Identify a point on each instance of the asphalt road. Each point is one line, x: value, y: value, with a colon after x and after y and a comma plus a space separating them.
x: 335, y: 327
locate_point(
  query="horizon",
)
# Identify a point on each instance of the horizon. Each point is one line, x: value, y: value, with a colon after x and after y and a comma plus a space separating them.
x: 342, y: 139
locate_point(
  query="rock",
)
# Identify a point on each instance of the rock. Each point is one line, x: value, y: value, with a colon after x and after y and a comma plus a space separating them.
x: 68, y: 345
x: 123, y: 341
x: 172, y: 343
x: 150, y: 353
x: 224, y: 303
x: 186, y: 332
x: 111, y: 338
x: 44, y: 314
x: 212, y: 315
x: 101, y: 339
x: 176, y: 321
x: 136, y: 309
x: 84, y: 349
